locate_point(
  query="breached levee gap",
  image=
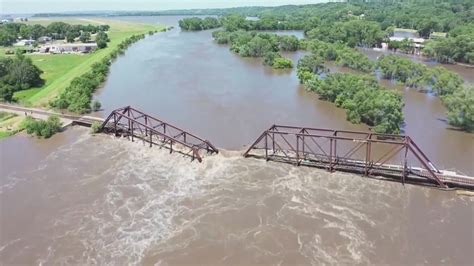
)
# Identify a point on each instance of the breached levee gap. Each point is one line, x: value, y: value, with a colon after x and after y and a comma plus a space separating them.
x: 132, y: 123
x: 382, y: 156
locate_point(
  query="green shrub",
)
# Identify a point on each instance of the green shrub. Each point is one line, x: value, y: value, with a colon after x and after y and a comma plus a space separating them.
x: 281, y: 63
x: 42, y: 128
x: 96, y: 106
x: 95, y: 127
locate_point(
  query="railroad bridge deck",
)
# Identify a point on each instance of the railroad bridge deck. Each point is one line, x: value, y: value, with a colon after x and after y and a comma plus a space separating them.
x: 383, y: 156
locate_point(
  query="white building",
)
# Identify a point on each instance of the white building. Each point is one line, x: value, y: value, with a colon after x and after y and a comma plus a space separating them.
x: 6, y: 20
x: 44, y: 39
x: 24, y: 43
x: 418, y: 42
x: 68, y: 48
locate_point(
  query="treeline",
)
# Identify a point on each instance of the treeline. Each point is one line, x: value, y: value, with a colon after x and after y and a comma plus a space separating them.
x: 259, y: 44
x: 357, y: 32
x: 448, y: 85
x: 77, y: 97
x: 458, y: 46
x: 196, y: 24
x: 18, y: 73
x: 417, y: 75
x: 425, y: 16
x: 367, y: 23
x: 10, y: 32
x: 353, y: 33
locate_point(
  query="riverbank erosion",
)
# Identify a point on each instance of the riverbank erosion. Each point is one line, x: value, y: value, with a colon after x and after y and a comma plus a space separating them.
x: 134, y: 204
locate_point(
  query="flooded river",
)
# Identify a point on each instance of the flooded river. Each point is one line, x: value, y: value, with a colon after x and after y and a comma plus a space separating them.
x: 187, y: 79
x: 81, y: 199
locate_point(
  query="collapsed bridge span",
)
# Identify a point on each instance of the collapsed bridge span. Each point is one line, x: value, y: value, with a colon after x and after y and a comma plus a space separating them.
x: 132, y: 123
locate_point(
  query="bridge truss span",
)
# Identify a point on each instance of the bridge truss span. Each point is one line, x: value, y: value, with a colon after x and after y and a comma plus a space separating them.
x: 384, y: 156
x: 135, y: 124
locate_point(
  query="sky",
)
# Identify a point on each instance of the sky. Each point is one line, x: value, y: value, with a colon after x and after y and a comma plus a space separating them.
x: 50, y: 6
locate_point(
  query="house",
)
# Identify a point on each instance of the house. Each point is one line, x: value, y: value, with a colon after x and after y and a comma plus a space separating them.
x: 415, y: 42
x: 68, y: 48
x: 44, y: 39
x: 438, y: 35
x: 24, y: 42
x: 6, y: 20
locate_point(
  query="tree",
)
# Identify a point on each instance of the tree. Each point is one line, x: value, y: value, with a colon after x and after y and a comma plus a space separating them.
x: 101, y: 39
x: 196, y: 24
x: 6, y: 92
x: 95, y: 127
x: 70, y: 36
x: 24, y: 73
x: 101, y: 44
x: 312, y: 63
x: 96, y: 106
x: 444, y: 82
x: 19, y: 72
x: 362, y: 98
x: 7, y: 37
x: 257, y: 47
x: 234, y: 22
x: 354, y: 59
x: 281, y: 62
x: 57, y: 30
x: 460, y: 107
x: 25, y: 31
x: 288, y: 43
x: 85, y: 37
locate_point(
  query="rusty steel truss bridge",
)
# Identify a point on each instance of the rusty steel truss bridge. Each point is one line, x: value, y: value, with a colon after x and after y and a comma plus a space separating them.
x: 382, y: 156
x: 135, y: 124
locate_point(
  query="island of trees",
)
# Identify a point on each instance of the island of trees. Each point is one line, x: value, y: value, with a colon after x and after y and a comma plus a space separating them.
x: 195, y: 23
x: 259, y: 44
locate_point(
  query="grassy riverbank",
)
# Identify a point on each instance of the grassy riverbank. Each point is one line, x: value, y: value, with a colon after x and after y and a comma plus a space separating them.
x: 10, y: 124
x: 61, y: 69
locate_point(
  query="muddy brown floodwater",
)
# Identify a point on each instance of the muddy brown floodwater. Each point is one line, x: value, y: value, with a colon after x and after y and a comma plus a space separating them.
x: 81, y: 199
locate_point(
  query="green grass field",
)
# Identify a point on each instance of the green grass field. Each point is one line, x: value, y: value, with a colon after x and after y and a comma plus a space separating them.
x: 61, y: 69
x: 10, y: 124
